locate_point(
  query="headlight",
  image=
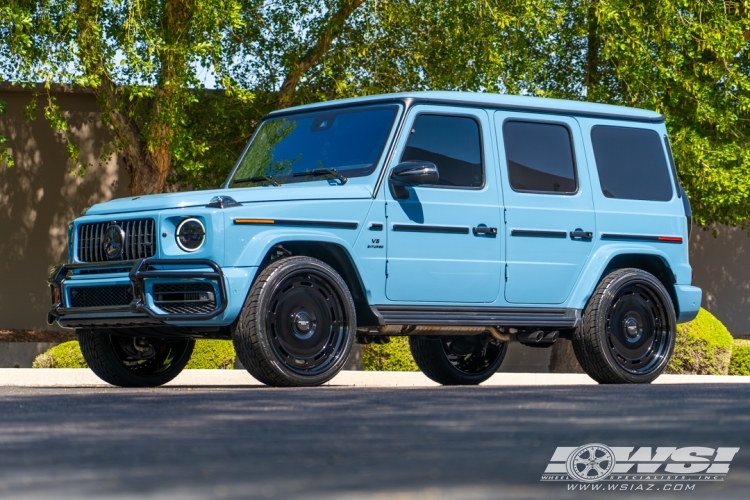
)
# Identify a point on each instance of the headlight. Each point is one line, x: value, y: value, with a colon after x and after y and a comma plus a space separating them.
x: 190, y: 235
x: 70, y: 241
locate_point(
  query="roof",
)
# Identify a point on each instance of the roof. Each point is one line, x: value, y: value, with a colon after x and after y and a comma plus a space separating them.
x: 497, y: 101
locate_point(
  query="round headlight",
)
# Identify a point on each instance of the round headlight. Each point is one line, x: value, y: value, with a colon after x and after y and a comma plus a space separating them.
x: 190, y: 235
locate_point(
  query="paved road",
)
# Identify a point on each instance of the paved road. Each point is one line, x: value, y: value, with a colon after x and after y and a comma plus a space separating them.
x: 479, y: 442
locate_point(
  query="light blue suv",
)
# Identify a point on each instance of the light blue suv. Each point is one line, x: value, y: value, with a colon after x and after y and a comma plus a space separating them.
x: 464, y: 221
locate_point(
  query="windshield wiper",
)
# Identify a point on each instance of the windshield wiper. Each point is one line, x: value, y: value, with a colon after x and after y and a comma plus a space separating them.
x: 258, y: 178
x: 322, y: 171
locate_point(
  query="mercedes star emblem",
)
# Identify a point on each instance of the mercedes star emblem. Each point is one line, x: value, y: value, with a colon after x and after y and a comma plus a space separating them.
x: 114, y: 238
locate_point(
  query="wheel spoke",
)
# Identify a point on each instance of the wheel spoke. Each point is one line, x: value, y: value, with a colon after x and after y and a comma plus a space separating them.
x: 308, y: 321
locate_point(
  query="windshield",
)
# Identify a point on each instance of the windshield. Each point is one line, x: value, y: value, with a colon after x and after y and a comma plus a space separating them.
x: 312, y: 145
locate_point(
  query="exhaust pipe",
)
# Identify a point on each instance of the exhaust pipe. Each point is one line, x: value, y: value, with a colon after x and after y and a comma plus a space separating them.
x: 530, y: 338
x: 551, y: 337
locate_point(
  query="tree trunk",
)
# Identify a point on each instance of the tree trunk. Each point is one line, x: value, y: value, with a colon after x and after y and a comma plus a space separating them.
x: 332, y: 29
x: 146, y: 153
x: 592, y: 51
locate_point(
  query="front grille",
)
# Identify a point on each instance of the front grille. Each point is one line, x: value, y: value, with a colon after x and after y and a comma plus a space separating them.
x: 100, y: 296
x: 140, y: 240
x: 185, y: 298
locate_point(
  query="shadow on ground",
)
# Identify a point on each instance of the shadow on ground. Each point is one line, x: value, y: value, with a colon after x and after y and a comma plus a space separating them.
x: 479, y: 442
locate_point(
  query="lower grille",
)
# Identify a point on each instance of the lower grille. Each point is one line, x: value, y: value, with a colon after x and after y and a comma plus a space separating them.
x: 101, y: 296
x: 185, y: 298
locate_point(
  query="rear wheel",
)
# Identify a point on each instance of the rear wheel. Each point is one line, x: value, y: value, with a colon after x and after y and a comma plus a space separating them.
x: 627, y: 334
x: 134, y: 361
x: 298, y: 324
x: 466, y: 360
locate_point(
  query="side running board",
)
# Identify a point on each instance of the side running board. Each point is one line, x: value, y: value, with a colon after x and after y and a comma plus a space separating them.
x: 477, y: 316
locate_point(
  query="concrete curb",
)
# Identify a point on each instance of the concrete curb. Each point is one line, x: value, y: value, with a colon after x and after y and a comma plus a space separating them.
x: 72, y: 378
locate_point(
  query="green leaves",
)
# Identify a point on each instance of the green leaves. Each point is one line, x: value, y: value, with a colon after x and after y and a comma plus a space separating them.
x: 5, y: 156
x: 145, y: 59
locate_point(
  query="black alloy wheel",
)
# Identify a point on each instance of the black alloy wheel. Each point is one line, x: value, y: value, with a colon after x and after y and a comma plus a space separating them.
x: 627, y: 333
x: 464, y: 360
x: 306, y: 321
x: 637, y: 330
x: 128, y: 361
x: 298, y: 324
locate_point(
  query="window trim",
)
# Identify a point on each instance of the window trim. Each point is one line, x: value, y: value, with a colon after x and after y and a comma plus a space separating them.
x: 481, y: 147
x: 572, y: 150
x: 673, y: 166
x: 596, y: 163
x: 385, y: 153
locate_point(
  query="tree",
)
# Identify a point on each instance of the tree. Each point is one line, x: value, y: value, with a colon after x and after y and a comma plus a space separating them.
x: 142, y: 60
x: 687, y: 59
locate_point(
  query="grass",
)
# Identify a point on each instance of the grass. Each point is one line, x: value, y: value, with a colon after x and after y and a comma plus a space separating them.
x: 208, y: 354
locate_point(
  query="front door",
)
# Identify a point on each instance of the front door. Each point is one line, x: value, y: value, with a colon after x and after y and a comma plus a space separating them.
x: 437, y: 250
x: 549, y: 220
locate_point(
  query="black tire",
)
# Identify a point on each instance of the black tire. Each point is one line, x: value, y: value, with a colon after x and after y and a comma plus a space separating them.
x: 134, y: 362
x: 466, y: 360
x: 297, y: 325
x: 627, y: 332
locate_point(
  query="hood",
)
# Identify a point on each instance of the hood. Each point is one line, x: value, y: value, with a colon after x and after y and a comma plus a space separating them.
x: 285, y: 192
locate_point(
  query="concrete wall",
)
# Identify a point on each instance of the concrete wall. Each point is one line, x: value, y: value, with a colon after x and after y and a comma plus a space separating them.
x: 721, y: 265
x: 38, y: 197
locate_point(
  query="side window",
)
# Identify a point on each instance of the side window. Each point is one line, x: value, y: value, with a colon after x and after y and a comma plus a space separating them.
x: 540, y: 157
x: 453, y: 144
x: 631, y: 163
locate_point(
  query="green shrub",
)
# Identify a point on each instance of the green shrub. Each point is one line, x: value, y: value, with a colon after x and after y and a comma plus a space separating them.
x: 740, y: 362
x: 212, y: 354
x: 65, y: 355
x: 394, y: 356
x: 703, y: 347
x: 208, y: 354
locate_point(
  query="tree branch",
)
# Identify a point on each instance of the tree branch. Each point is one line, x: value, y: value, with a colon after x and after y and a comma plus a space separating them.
x: 330, y: 32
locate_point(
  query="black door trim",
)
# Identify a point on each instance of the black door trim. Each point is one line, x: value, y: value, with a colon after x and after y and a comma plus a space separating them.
x: 419, y: 228
x: 477, y: 316
x: 539, y: 234
x: 291, y: 222
x: 642, y: 237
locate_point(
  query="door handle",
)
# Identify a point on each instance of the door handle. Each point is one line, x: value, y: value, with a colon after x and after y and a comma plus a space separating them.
x: 484, y: 230
x: 586, y: 235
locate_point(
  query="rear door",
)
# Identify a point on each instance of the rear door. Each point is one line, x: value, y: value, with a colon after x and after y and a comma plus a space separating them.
x: 549, y: 212
x: 637, y: 195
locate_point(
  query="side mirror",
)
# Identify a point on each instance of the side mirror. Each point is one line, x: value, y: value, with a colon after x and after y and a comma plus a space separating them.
x: 412, y: 173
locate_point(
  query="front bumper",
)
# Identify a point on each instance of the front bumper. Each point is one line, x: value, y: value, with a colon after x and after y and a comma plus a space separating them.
x: 140, y: 311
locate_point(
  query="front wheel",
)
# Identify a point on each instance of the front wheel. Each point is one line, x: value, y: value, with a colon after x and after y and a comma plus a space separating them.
x: 627, y: 334
x: 458, y: 360
x: 298, y: 324
x: 134, y: 361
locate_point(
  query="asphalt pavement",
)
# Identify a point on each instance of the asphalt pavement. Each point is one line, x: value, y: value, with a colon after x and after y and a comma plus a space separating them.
x: 342, y: 442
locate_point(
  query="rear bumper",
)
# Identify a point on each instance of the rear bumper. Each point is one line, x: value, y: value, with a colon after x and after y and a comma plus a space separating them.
x: 140, y: 311
x: 688, y: 302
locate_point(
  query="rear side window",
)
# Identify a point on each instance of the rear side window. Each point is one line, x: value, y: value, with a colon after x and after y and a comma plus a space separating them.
x: 453, y: 144
x: 631, y: 163
x: 540, y: 157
